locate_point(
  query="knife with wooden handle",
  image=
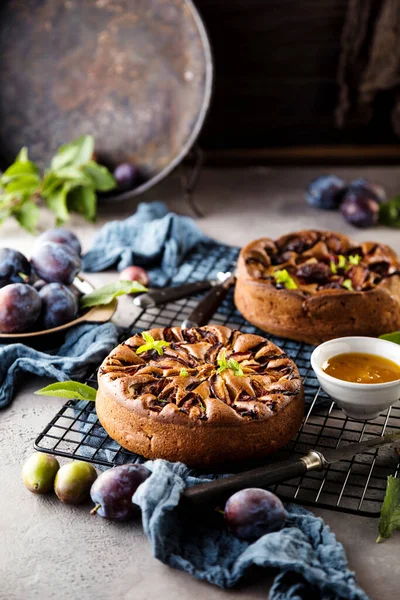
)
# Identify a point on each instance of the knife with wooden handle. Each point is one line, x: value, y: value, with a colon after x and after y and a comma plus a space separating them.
x: 264, y: 477
x: 206, y: 308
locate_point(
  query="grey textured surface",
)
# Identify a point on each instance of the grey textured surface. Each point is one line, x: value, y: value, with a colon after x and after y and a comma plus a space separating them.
x: 51, y: 551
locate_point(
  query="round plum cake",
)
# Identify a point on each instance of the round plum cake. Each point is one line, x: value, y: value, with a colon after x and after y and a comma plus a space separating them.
x: 313, y: 286
x: 204, y: 396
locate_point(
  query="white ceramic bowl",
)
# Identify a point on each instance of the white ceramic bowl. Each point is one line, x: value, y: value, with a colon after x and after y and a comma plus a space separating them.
x: 363, y: 401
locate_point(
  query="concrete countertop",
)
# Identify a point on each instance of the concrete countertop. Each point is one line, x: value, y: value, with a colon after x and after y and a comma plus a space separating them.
x: 52, y: 551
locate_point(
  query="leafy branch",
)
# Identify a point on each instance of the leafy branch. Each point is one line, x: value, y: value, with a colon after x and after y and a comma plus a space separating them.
x: 69, y: 184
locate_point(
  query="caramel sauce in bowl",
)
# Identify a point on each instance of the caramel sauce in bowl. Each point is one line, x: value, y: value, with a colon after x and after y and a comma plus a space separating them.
x: 362, y: 374
x: 360, y: 367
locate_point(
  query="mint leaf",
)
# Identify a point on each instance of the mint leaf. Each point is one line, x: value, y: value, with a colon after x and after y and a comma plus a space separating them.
x: 57, y: 203
x: 354, y: 260
x: 19, y: 168
x: 282, y: 276
x: 391, y: 337
x: 222, y: 362
x: 389, y: 212
x: 152, y: 344
x: 184, y: 373
x: 235, y: 366
x: 333, y: 267
x: 83, y: 200
x: 107, y: 293
x: 348, y: 284
x: 28, y: 215
x: 389, y: 520
x: 76, y: 153
x: 69, y: 389
x: 22, y: 156
x: 100, y: 177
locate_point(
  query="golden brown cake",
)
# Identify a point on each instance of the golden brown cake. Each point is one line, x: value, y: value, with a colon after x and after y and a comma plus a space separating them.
x: 204, y: 396
x: 313, y: 286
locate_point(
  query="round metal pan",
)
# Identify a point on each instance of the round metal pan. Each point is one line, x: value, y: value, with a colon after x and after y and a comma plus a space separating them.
x: 137, y: 74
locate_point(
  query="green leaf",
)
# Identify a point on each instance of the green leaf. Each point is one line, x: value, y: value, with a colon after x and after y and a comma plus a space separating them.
x: 69, y: 389
x: 22, y: 156
x: 57, y: 203
x: 389, y: 212
x: 152, y: 344
x: 107, y: 293
x: 391, y: 337
x: 76, y: 153
x: 20, y: 168
x: 83, y: 200
x: 23, y: 184
x: 72, y: 174
x: 28, y: 215
x: 282, y: 276
x: 333, y: 267
x: 100, y: 177
x: 184, y: 373
x: 229, y: 364
x: 348, y: 284
x: 354, y: 260
x: 236, y: 367
x: 341, y: 261
x: 389, y: 520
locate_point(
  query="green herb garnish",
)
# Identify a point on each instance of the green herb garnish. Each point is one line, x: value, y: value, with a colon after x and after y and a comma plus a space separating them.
x: 73, y: 390
x: 107, y: 293
x: 348, y: 284
x: 282, y: 276
x: 341, y: 261
x: 333, y: 267
x: 391, y: 337
x: 152, y: 344
x: 389, y: 520
x: 389, y: 212
x: 184, y: 373
x: 229, y: 364
x: 354, y: 260
x: 70, y: 184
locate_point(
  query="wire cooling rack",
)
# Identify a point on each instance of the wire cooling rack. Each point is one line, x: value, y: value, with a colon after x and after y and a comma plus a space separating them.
x: 355, y: 486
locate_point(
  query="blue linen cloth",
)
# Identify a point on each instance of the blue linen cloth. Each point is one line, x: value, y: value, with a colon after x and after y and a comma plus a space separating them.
x: 84, y: 348
x: 152, y: 237
x: 312, y: 563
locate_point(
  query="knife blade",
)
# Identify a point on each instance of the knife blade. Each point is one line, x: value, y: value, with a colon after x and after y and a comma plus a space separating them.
x: 268, y: 475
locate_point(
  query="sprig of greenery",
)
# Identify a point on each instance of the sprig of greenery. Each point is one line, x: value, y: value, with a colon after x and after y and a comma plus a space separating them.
x: 389, y: 520
x: 231, y: 363
x: 282, y: 276
x: 69, y: 184
x: 184, y: 372
x: 152, y: 344
x: 344, y: 263
x: 389, y: 212
x: 73, y: 390
x: 107, y: 293
x: 348, y: 284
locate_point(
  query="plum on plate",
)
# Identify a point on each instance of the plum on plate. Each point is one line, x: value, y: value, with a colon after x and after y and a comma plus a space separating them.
x: 113, y: 490
x: 326, y: 191
x: 73, y: 482
x: 59, y: 305
x: 253, y: 512
x: 61, y: 236
x: 39, y: 471
x: 55, y: 262
x: 20, y: 307
x: 14, y: 267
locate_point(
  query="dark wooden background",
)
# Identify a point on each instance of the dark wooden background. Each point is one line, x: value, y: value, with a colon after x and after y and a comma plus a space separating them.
x: 275, y: 76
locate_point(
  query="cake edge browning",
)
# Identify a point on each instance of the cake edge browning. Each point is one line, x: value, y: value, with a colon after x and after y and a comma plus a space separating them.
x: 194, y: 444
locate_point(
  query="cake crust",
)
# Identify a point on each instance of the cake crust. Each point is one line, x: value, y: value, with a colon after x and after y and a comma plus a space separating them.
x: 320, y: 307
x: 182, y: 406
